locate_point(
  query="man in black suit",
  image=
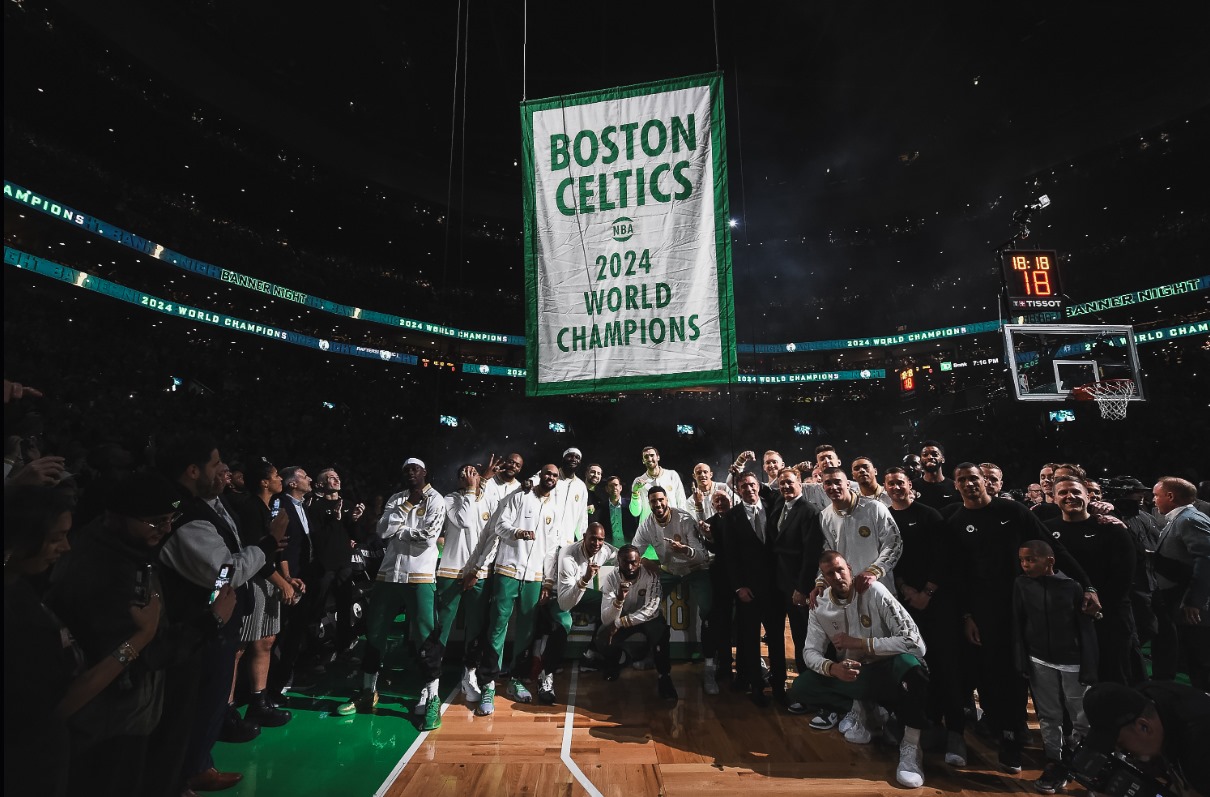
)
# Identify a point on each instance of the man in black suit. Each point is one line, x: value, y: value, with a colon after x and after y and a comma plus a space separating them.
x: 794, y: 527
x: 619, y: 524
x: 752, y: 564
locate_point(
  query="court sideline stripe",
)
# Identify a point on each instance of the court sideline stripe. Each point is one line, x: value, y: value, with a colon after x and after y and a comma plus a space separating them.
x: 568, y: 725
x: 411, y: 751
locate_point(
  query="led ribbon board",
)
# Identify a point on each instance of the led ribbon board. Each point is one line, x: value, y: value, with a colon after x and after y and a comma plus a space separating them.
x: 95, y: 226
x: 628, y: 246
x: 89, y: 282
x: 104, y: 229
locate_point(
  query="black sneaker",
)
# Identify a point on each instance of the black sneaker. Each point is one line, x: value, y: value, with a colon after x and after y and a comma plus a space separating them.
x: 1010, y: 753
x: 667, y: 690
x: 611, y: 673
x: 1053, y: 778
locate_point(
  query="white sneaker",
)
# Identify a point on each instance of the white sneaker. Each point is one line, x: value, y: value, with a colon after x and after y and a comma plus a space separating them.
x: 955, y: 749
x: 470, y: 686
x: 910, y: 772
x: 709, y: 682
x: 858, y: 733
x: 423, y: 703
x: 849, y: 720
x: 647, y: 663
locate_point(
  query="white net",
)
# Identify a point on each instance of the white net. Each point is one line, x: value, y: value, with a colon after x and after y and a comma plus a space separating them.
x: 1112, y: 396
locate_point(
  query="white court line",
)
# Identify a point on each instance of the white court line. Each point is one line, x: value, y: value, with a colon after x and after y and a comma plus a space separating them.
x: 568, y: 724
x: 411, y: 751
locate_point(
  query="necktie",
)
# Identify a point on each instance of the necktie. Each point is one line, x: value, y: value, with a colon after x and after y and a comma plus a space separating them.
x: 781, y: 519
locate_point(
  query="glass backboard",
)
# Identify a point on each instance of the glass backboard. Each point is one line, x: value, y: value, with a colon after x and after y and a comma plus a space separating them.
x: 1048, y: 360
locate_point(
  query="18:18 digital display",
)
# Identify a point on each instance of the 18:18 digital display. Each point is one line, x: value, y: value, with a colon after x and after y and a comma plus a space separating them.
x: 1031, y: 278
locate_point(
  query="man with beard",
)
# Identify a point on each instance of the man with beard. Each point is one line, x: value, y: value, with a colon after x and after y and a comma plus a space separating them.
x: 578, y: 584
x: 685, y: 562
x: 655, y: 475
x: 524, y: 577
x: 410, y: 524
x: 986, y: 536
x: 500, y: 478
x: 630, y: 604
x: 1102, y: 546
x: 598, y: 501
x: 935, y: 489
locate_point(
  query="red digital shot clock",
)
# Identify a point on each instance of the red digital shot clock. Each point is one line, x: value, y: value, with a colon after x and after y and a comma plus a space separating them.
x: 1032, y: 279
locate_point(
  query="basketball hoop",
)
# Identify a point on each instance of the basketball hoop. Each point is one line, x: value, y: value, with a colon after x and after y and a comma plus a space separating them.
x: 1111, y: 395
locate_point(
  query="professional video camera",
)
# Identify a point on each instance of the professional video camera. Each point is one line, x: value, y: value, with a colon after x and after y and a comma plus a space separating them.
x: 1124, y: 493
x: 1111, y: 775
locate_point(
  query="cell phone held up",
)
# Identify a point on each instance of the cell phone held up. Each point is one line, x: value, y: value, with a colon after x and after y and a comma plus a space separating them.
x: 142, y: 585
x: 224, y: 579
x: 275, y: 508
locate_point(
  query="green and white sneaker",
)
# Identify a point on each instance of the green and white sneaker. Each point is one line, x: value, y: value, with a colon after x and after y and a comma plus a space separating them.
x: 422, y: 704
x: 432, y: 716
x: 487, y: 703
x: 518, y: 692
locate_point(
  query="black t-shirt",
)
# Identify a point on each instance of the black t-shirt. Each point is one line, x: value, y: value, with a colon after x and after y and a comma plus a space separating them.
x: 925, y: 553
x: 937, y: 494
x: 986, y: 544
x: 1045, y: 511
x: 1105, y: 551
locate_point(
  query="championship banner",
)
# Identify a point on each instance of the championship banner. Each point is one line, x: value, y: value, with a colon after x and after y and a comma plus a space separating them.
x: 627, y: 240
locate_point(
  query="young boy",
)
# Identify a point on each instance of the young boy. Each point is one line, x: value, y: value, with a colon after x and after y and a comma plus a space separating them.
x: 1056, y: 648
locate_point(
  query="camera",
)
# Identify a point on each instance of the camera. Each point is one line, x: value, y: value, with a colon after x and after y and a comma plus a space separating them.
x: 1113, y: 776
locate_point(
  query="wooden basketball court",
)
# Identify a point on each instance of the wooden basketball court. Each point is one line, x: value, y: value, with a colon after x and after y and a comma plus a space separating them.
x: 620, y: 739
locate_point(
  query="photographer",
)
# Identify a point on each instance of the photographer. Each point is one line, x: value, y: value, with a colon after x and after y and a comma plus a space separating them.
x: 1163, y: 727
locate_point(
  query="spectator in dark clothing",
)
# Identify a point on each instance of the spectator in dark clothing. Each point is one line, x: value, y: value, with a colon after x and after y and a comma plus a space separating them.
x: 112, y: 568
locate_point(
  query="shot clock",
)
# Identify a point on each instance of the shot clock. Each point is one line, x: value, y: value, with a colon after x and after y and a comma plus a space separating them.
x: 1032, y: 280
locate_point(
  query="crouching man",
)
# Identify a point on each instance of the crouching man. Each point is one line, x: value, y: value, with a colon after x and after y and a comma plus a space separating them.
x: 630, y: 603
x: 880, y: 655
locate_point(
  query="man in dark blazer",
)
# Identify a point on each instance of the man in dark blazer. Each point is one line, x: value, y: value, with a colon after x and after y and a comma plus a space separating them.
x: 794, y: 527
x: 752, y: 563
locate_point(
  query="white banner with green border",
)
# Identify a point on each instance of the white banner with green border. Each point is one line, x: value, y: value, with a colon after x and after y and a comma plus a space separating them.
x: 627, y: 240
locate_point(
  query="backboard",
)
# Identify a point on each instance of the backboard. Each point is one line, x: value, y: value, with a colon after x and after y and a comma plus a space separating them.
x: 1048, y: 360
